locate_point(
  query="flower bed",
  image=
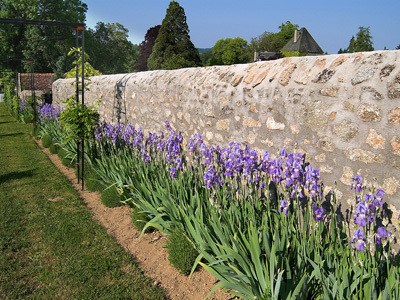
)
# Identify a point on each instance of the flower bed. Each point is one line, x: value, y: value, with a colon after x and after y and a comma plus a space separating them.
x: 262, y: 223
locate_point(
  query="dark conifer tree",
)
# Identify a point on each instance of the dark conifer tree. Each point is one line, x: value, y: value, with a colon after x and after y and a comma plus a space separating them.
x: 362, y: 42
x: 146, y: 47
x: 173, y: 48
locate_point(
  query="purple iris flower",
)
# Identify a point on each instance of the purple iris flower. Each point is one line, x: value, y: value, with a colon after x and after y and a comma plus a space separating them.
x: 49, y: 112
x: 114, y: 137
x: 176, y: 149
x: 359, y: 239
x: 319, y: 214
x: 178, y: 162
x: 229, y: 168
x: 208, y: 178
x: 283, y: 153
x: 382, y: 235
x: 252, y: 156
x: 357, y: 183
x: 192, y: 146
x: 172, y: 172
x: 296, y: 169
x: 274, y: 167
x: 203, y: 148
x: 161, y: 146
x: 379, y: 194
x: 361, y: 214
x: 289, y: 180
x: 284, y: 204
x: 179, y: 137
x: 22, y: 105
x: 369, y: 198
x: 314, y: 189
x: 265, y: 156
x: 291, y: 157
x: 309, y: 170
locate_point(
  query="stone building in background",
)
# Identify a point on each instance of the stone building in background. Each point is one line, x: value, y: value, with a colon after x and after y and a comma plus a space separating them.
x: 301, y: 44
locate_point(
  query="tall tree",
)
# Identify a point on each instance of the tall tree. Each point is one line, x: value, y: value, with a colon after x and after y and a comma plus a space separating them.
x: 287, y: 30
x: 362, y: 42
x: 146, y: 47
x: 229, y: 51
x: 12, y: 37
x: 173, y: 48
x: 110, y: 49
x: 274, y: 42
x: 398, y: 47
x: 352, y: 45
x: 44, y: 44
x: 48, y: 44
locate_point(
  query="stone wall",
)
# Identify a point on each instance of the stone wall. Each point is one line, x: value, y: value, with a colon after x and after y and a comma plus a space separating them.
x: 343, y: 111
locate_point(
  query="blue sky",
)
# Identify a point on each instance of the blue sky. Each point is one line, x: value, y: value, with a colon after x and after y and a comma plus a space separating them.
x: 331, y: 23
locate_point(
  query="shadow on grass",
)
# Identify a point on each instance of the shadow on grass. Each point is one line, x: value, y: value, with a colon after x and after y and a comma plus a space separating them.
x: 16, y: 175
x: 6, y: 122
x: 11, y: 134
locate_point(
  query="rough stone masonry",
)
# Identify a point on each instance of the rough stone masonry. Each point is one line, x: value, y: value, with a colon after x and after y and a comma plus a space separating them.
x: 343, y: 111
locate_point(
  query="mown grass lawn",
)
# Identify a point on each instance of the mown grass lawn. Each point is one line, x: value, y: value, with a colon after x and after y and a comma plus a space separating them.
x: 50, y: 247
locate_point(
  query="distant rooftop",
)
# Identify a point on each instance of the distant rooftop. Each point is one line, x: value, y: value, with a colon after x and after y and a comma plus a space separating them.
x: 302, y: 41
x: 42, y: 81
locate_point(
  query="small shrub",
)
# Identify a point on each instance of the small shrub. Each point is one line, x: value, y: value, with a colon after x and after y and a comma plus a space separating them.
x: 110, y: 197
x: 139, y: 220
x: 93, y: 181
x: 182, y: 254
x: 86, y: 170
x: 46, y: 140
x: 36, y: 132
x: 28, y: 118
x: 63, y: 155
x: 53, y: 148
x: 67, y: 162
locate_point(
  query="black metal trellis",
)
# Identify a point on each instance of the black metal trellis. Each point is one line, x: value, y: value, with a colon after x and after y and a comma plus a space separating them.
x: 75, y: 27
x: 119, y: 105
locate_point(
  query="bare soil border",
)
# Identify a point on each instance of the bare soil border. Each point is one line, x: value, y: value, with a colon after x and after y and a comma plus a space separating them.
x: 149, y: 250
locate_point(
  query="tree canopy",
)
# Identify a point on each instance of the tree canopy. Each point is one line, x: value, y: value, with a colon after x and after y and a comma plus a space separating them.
x: 110, y: 49
x: 362, y: 42
x: 229, y: 51
x: 173, y: 48
x: 274, y: 42
x: 47, y: 46
x: 44, y: 44
x: 13, y: 38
